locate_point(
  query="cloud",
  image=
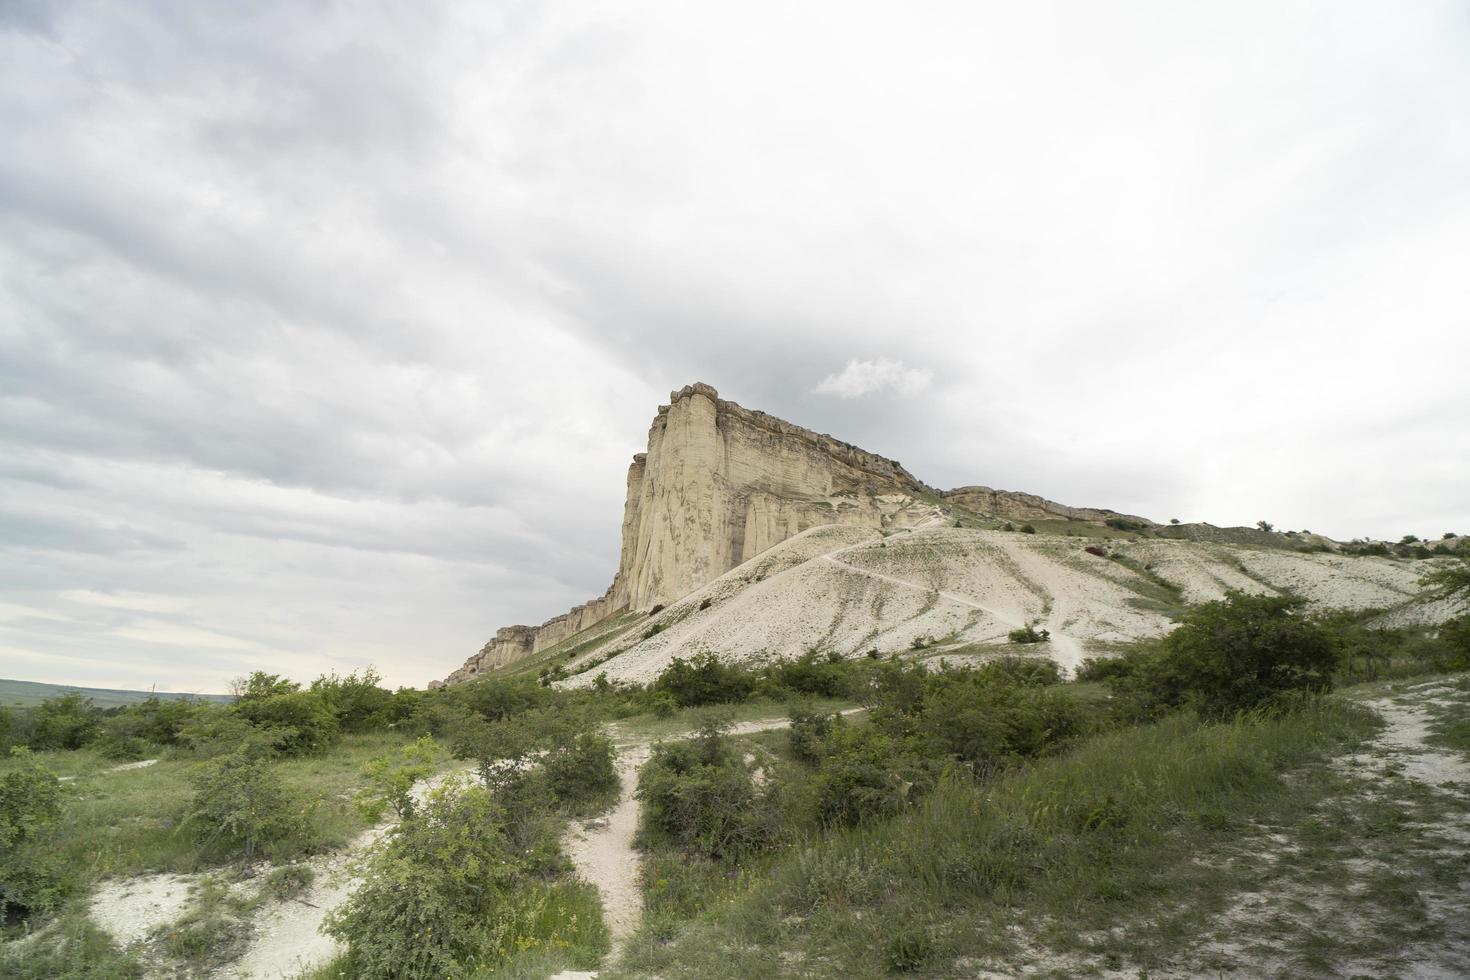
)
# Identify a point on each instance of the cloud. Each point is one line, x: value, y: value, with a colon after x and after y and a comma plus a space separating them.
x: 333, y: 330
x: 861, y: 378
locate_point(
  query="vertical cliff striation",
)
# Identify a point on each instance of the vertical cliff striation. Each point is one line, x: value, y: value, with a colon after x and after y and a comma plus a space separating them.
x: 718, y: 485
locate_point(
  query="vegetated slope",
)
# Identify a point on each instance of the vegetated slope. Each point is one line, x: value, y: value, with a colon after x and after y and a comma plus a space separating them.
x: 33, y: 692
x: 959, y: 592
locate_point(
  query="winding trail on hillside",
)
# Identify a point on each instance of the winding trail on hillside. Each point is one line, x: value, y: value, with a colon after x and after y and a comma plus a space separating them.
x: 1067, y: 650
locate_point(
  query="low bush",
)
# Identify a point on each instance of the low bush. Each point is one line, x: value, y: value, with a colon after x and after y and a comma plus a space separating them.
x: 704, y: 679
x: 451, y: 891
x: 30, y: 803
x: 299, y: 722
x: 66, y: 722
x: 866, y: 773
x: 1029, y: 634
x: 814, y: 674
x: 700, y: 796
x: 581, y: 772
x: 391, y: 778
x: 355, y: 700
x: 809, y: 730
x: 241, y: 805
x: 1232, y: 655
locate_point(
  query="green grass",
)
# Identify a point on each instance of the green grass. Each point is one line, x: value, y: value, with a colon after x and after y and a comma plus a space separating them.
x: 1059, y: 852
x: 72, y: 948
x: 1450, y: 724
x: 132, y: 822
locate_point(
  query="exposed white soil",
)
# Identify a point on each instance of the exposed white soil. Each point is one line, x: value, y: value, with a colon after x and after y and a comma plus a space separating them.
x: 1402, y: 743
x: 129, y: 909
x: 287, y: 936
x: 852, y: 589
x: 603, y: 852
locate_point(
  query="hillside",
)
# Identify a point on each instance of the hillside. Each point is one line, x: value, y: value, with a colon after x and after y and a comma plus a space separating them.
x: 747, y: 536
x: 26, y: 693
x: 951, y: 593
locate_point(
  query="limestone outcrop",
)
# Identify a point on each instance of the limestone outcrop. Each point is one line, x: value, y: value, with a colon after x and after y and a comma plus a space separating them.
x: 718, y: 485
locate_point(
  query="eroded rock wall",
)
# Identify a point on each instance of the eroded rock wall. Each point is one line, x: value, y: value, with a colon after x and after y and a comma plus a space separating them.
x: 718, y: 485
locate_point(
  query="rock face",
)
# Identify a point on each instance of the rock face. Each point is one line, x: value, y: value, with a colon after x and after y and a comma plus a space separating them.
x: 1015, y: 506
x: 718, y: 485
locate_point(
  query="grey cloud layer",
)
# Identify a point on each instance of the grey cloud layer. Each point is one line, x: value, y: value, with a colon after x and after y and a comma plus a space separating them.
x: 328, y: 333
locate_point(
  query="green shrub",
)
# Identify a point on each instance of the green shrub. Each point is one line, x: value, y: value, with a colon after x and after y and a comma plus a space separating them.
x: 216, y: 731
x: 809, y: 731
x: 241, y: 805
x: 288, y: 881
x: 908, y: 949
x: 496, y: 698
x: 30, y: 803
x: 1028, y: 529
x: 1103, y: 668
x: 391, y: 778
x: 441, y: 895
x: 813, y: 674
x: 74, y: 949
x: 299, y: 722
x: 262, y: 685
x: 704, y: 679
x: 212, y: 932
x: 866, y: 773
x: 66, y: 722
x: 986, y: 720
x: 700, y: 796
x: 1232, y: 655
x: 356, y: 700
x: 581, y: 772
x: 1456, y: 636
x: 1034, y: 671
x: 1029, y: 634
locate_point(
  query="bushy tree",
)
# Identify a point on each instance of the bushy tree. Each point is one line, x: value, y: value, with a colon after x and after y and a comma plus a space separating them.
x: 262, y: 685
x: 66, y: 722
x: 298, y: 722
x: 356, y: 700
x: 30, y: 802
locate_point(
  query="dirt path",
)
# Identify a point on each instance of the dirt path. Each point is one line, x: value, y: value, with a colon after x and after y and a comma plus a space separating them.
x: 1066, y: 650
x: 1404, y: 739
x: 287, y: 938
x: 603, y: 850
x: 125, y: 767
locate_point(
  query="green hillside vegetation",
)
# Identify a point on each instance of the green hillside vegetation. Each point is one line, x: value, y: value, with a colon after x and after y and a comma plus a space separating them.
x: 964, y: 819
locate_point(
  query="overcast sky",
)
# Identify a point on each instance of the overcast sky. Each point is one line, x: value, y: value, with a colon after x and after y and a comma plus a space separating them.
x: 327, y: 330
